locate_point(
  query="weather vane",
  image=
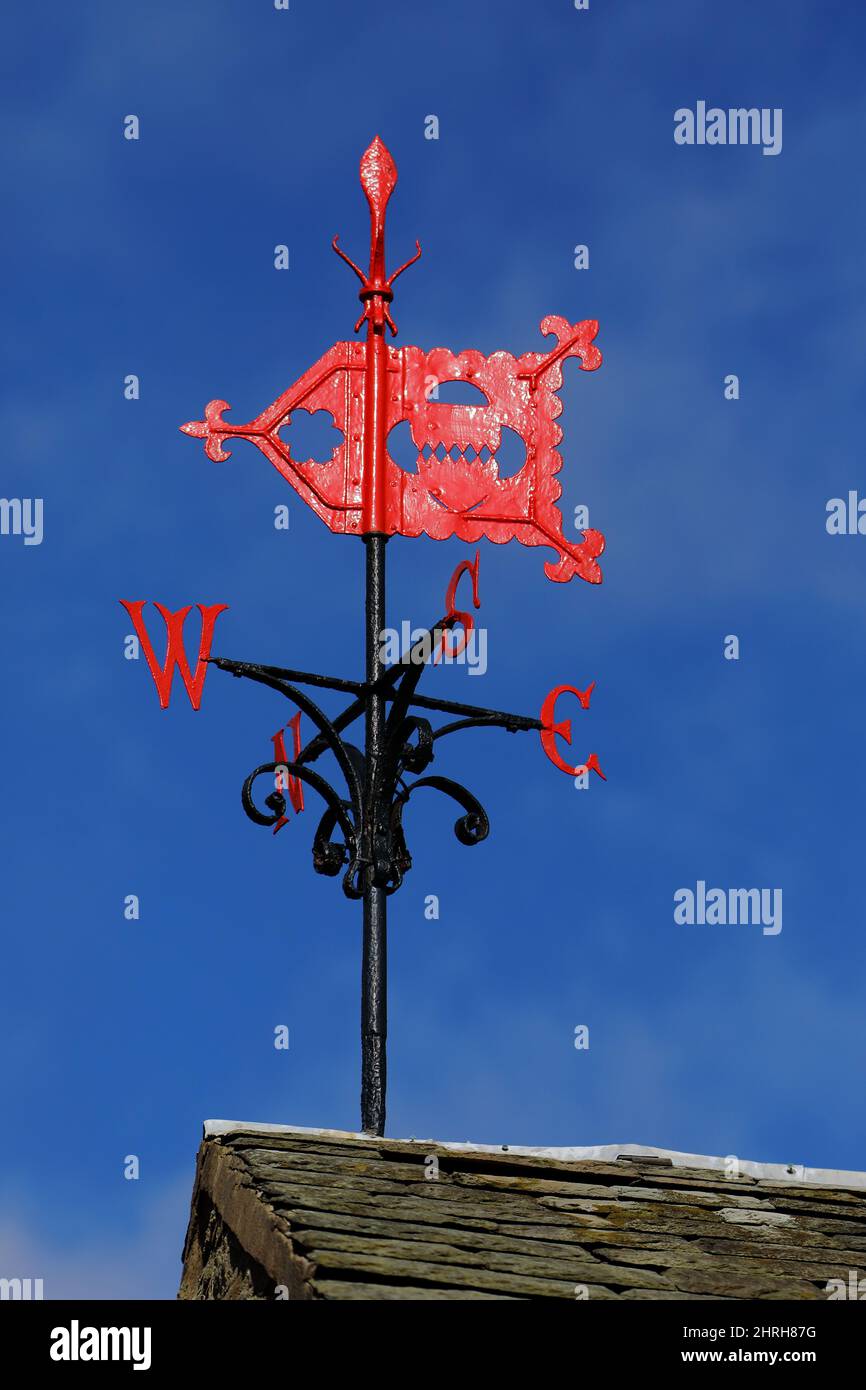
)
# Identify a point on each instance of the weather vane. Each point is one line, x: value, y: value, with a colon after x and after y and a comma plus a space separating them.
x: 456, y: 490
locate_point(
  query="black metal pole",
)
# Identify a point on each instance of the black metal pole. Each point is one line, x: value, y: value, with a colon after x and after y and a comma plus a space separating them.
x: 374, y: 964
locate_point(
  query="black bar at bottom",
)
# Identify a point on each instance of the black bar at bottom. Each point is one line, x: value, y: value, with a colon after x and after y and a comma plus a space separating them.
x: 213, y: 1340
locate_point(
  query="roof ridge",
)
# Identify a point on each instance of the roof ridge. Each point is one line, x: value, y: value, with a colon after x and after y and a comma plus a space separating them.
x: 775, y: 1172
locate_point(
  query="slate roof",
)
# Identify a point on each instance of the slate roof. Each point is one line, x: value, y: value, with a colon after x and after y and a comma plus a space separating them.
x: 329, y: 1215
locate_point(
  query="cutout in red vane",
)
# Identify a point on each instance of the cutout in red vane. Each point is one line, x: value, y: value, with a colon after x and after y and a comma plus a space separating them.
x: 175, y: 654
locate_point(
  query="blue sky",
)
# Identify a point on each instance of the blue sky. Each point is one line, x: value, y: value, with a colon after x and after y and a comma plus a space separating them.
x: 155, y: 257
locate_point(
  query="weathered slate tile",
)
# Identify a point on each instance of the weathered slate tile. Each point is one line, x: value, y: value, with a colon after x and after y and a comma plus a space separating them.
x: 457, y: 1235
x: 731, y: 1283
x: 685, y: 1257
x: 808, y: 1248
x: 457, y: 1276
x: 599, y: 1241
x: 304, y: 1188
x: 851, y: 1211
x: 711, y: 1181
x: 815, y: 1192
x: 344, y: 1290
x: 430, y: 1196
x: 677, y: 1294
x: 409, y: 1208
x: 677, y: 1197
x: 317, y: 1245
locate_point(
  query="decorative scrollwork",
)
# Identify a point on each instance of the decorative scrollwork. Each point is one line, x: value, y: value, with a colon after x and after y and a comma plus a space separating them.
x: 471, y: 828
x: 329, y: 855
x: 276, y: 801
x: 373, y: 843
x: 373, y: 848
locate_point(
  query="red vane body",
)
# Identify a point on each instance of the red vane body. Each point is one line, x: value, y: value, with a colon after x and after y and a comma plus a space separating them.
x: 175, y: 654
x: 369, y: 388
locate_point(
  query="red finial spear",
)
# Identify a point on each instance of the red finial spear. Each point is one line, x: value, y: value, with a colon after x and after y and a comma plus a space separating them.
x: 378, y: 179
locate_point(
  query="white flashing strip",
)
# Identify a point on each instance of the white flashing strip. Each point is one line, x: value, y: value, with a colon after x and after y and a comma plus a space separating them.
x: 596, y: 1153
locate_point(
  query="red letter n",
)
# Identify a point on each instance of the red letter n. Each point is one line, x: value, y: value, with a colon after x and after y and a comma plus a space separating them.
x: 284, y: 781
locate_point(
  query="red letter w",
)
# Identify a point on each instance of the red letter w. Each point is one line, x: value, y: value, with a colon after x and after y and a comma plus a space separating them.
x: 175, y: 654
